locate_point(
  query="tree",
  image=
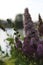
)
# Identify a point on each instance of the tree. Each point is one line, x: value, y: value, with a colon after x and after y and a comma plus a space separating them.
x: 18, y: 21
x: 2, y: 27
x: 10, y: 22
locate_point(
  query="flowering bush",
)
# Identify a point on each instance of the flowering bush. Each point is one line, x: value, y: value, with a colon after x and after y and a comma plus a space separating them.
x: 30, y: 52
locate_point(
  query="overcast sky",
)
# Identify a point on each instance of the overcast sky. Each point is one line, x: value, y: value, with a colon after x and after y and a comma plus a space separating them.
x: 9, y: 8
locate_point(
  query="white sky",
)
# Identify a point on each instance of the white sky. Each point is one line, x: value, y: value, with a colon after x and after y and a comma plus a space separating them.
x: 9, y: 8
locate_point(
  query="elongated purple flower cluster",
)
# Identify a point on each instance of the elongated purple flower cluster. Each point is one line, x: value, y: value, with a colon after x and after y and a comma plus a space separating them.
x: 27, y: 23
x: 40, y: 49
x: 18, y: 43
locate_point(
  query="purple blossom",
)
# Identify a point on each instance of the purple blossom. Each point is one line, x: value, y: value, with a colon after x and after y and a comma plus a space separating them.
x: 40, y: 49
x: 27, y: 48
x: 18, y: 43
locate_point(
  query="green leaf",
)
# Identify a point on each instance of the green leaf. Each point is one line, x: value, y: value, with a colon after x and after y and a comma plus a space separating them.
x: 11, y: 40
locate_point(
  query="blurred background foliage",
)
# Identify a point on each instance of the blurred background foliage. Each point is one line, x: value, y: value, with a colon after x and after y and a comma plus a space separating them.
x: 18, y: 21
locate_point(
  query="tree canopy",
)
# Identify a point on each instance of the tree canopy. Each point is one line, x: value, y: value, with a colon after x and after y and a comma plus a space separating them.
x: 19, y: 21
